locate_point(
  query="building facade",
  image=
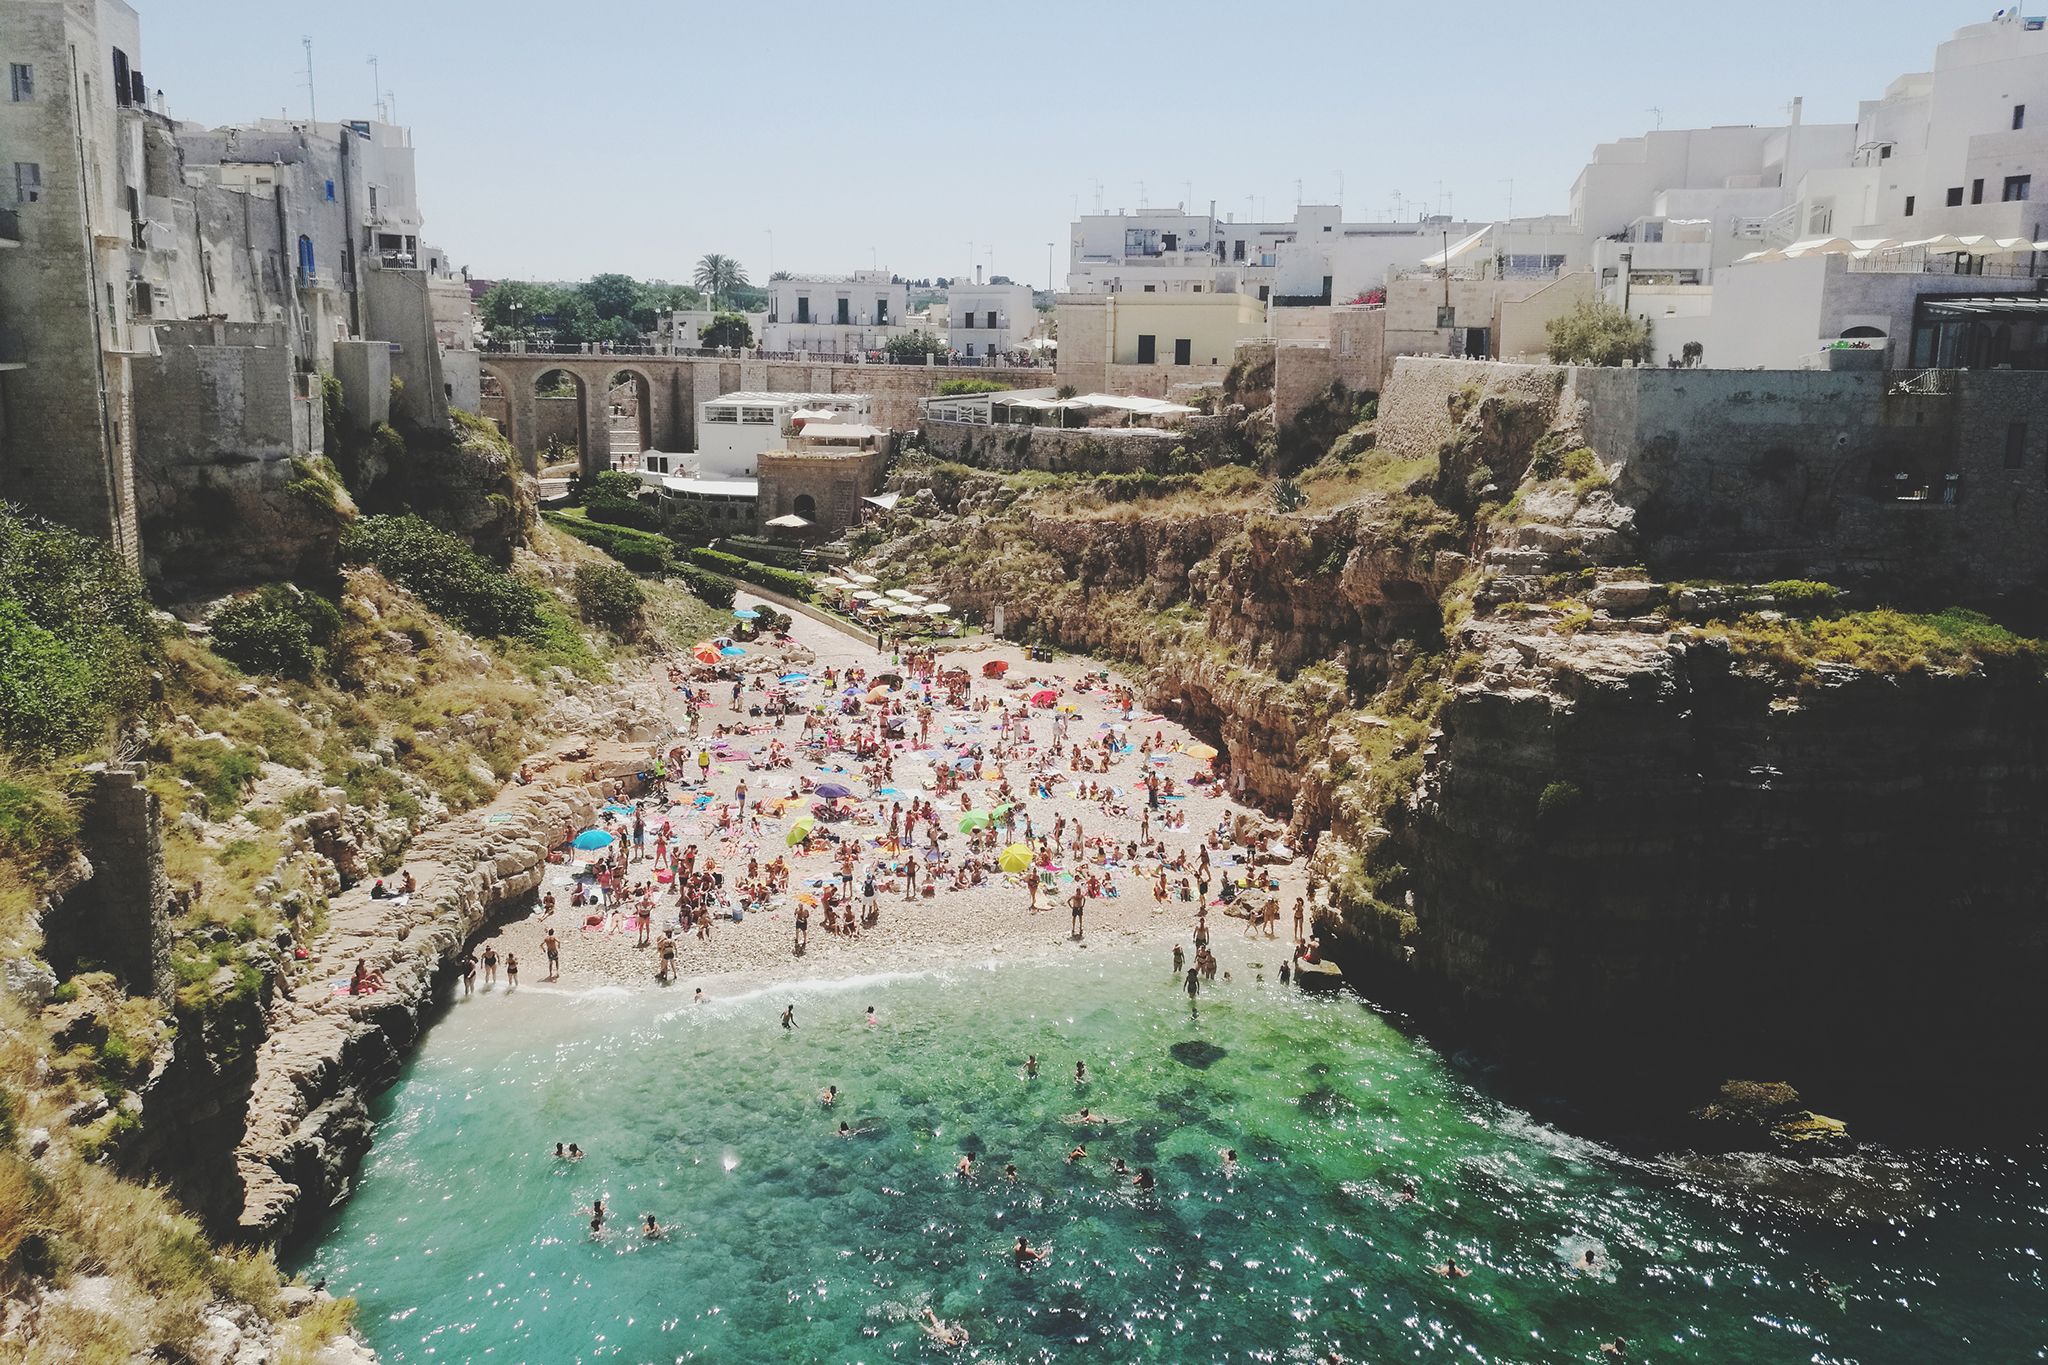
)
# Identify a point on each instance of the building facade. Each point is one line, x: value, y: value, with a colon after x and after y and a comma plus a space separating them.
x: 835, y: 314
x: 989, y: 319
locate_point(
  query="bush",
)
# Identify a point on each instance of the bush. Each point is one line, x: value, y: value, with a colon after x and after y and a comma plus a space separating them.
x: 1597, y: 333
x: 1557, y: 799
x: 726, y: 329
x: 609, y: 596
x: 77, y: 637
x: 1287, y: 496
x: 911, y: 348
x: 640, y: 551
x: 279, y: 630
x: 714, y: 588
x: 446, y: 574
x: 955, y: 388
x: 779, y: 580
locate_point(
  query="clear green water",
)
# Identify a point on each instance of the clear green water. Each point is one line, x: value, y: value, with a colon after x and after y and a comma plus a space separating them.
x: 467, y: 1241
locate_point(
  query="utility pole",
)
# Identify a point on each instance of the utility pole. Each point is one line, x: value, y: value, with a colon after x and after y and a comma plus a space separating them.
x: 376, y: 89
x: 1048, y: 268
x: 312, y: 104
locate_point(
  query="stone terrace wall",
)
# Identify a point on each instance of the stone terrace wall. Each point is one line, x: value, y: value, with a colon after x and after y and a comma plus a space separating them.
x: 1086, y: 450
x: 1417, y: 409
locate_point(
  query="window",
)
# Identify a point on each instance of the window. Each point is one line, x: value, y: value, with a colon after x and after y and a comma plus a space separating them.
x: 1151, y: 289
x: 22, y: 80
x: 1884, y: 153
x: 970, y: 350
x: 805, y: 505
x: 2017, y: 187
x: 1976, y: 191
x: 1237, y: 251
x: 881, y: 312
x: 803, y: 307
x: 845, y: 314
x: 1955, y: 196
x: 1909, y: 206
x: 1169, y: 241
x: 143, y: 301
x: 1183, y: 351
x: 306, y: 270
x: 723, y: 415
x: 2019, y: 116
x: 2015, y: 444
x: 330, y: 191
x: 28, y: 182
x: 1265, y: 291
x: 122, y: 85
x: 1148, y: 348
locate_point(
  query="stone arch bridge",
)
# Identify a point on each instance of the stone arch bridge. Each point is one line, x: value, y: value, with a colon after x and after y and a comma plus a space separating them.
x: 671, y: 387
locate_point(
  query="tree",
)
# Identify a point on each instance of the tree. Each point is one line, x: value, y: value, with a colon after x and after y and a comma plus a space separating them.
x: 718, y: 276
x: 1597, y: 333
x: 912, y: 347
x: 726, y: 329
x: 613, y: 296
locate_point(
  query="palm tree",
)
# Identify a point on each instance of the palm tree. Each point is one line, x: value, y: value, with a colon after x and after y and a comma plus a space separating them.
x: 718, y: 276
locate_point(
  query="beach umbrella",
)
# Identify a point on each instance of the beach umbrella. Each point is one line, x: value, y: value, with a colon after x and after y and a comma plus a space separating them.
x: 1044, y: 696
x: 898, y: 609
x: 832, y: 791
x: 833, y: 583
x: 1015, y: 858
x: 792, y: 679
x: 865, y: 596
x: 745, y: 614
x: 1203, y: 752
x: 937, y: 609
x: 889, y: 680
x: 704, y: 654
x: 731, y: 652
x: 903, y: 595
x: 799, y: 831
x: 592, y: 840
x: 974, y: 820
x: 880, y: 694
x: 862, y: 578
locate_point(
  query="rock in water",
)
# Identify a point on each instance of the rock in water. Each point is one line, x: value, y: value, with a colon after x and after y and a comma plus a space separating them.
x: 1198, y: 1054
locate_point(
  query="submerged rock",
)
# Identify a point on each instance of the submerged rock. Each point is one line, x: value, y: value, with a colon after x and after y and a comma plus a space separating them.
x: 1198, y: 1054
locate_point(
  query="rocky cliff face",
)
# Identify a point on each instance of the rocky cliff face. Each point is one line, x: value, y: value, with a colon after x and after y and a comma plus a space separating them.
x: 1642, y: 835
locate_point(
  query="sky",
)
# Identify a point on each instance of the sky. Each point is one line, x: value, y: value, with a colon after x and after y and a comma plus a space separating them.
x: 559, y: 140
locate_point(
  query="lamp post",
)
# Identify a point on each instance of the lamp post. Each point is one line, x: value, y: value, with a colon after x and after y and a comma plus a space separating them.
x: 1627, y: 259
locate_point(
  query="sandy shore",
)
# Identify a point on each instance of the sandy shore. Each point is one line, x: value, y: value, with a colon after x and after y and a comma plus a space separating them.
x: 952, y: 925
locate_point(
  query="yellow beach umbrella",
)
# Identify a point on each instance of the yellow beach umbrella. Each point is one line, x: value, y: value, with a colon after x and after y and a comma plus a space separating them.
x: 1015, y: 858
x: 1203, y: 752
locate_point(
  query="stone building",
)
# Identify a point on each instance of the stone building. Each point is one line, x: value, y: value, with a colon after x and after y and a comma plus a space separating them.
x: 823, y: 484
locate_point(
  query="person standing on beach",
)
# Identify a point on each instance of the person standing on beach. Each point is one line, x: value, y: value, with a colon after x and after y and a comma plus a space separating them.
x: 803, y: 927
x: 490, y: 964
x: 468, y: 973
x: 788, y: 1017
x: 552, y: 946
x: 511, y: 969
x: 1075, y: 903
x: 1178, y: 958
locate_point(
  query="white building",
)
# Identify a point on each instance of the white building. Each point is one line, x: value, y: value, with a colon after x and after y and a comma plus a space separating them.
x: 835, y: 314
x: 989, y: 319
x: 735, y: 429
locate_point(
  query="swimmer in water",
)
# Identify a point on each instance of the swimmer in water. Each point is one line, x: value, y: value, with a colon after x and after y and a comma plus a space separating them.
x: 1589, y: 1260
x: 844, y: 1130
x: 940, y: 1331
x: 1450, y: 1270
x: 597, y: 1217
x: 828, y: 1096
x: 1616, y: 1349
x: 965, y: 1166
x: 1031, y: 1066
x: 1010, y: 1171
x: 871, y: 1015
x: 1143, y: 1179
x: 1080, y: 1153
x: 1026, y: 1254
x: 652, y: 1230
x: 560, y: 1153
x: 1408, y: 1191
x: 1230, y: 1161
x: 575, y: 1152
x: 1080, y: 1073
x: 788, y: 1017
x: 1117, y: 1164
x: 700, y: 995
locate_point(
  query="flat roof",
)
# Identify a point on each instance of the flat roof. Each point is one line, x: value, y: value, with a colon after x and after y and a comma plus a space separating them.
x: 840, y: 431
x: 785, y: 399
x: 712, y: 488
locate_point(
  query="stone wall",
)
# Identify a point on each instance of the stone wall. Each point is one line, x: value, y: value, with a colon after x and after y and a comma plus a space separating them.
x: 398, y: 308
x: 117, y: 919
x: 1091, y: 450
x: 1302, y: 372
x: 835, y: 483
x: 1425, y: 399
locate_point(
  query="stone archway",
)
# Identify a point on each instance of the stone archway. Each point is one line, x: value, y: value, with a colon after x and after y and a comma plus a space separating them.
x: 563, y: 409
x: 629, y: 416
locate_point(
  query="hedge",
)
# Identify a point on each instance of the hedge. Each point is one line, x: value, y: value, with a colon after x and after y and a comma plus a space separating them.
x: 446, y: 574
x: 780, y: 580
x: 762, y: 551
x: 714, y: 588
x: 640, y: 551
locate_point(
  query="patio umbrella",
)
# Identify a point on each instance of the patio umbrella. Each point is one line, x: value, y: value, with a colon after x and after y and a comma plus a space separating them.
x: 1204, y: 752
x: 974, y: 820
x: 1015, y: 858
x: 831, y: 582
x: 593, y: 839
x: 731, y: 652
x: 745, y: 614
x: 904, y: 595
x: 900, y: 610
x: 799, y: 831
x: 937, y: 609
x: 832, y: 791
x: 865, y: 596
x: 862, y: 578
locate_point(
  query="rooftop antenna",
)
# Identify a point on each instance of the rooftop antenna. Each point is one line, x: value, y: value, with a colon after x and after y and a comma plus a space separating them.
x: 1340, y: 195
x: 312, y: 105
x: 376, y: 89
x: 1141, y: 196
x: 1098, y: 196
x: 390, y: 107
x: 1297, y: 192
x: 1654, y: 112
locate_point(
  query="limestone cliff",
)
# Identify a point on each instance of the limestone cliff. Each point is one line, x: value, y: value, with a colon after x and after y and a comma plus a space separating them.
x: 1640, y: 835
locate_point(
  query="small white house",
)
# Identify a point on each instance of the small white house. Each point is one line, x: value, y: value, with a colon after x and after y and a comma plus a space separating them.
x: 735, y: 429
x: 989, y: 319
x: 835, y: 314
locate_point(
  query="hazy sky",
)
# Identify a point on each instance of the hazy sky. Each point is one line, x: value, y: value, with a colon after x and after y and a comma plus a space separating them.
x: 560, y: 139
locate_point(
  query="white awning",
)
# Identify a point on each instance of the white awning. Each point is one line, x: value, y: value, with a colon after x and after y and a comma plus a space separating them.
x: 792, y: 522
x: 1456, y: 250
x: 885, y: 501
x: 833, y: 431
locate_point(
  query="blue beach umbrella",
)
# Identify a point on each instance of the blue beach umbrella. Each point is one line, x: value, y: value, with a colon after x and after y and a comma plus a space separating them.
x: 731, y: 652
x: 591, y: 840
x: 794, y: 678
x: 832, y: 791
x: 745, y: 614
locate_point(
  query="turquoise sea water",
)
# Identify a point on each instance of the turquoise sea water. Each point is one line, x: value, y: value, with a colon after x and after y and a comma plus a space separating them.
x: 468, y: 1241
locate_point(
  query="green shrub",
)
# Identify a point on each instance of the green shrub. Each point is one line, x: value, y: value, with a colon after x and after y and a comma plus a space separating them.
x: 279, y: 630
x: 714, y: 588
x: 779, y: 580
x: 77, y: 637
x: 640, y: 551
x: 1556, y: 799
x: 1288, y: 496
x: 955, y: 388
x: 33, y: 819
x: 1803, y: 594
x: 609, y: 596
x: 446, y: 574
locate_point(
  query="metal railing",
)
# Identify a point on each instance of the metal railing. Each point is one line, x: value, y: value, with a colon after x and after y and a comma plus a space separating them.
x: 2023, y: 266
x: 498, y: 346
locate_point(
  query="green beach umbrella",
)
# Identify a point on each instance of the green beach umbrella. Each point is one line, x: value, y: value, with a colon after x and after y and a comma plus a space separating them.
x: 800, y: 831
